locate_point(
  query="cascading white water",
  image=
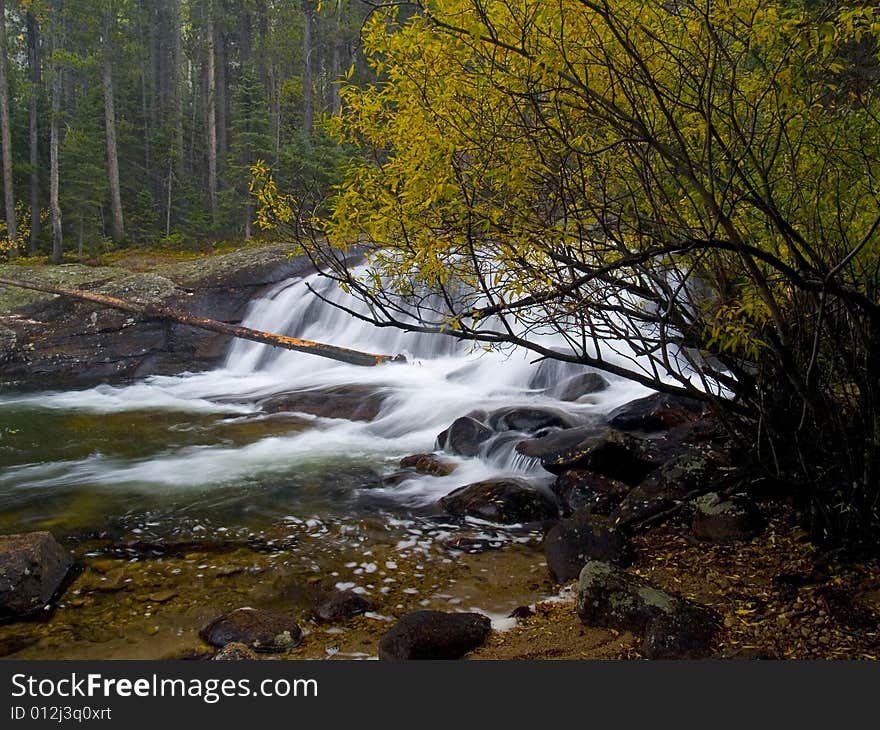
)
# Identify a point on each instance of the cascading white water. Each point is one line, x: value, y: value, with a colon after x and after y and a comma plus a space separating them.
x: 443, y: 380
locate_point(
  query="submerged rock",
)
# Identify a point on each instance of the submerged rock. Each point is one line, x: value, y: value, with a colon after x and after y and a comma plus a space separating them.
x: 464, y: 437
x: 507, y: 501
x: 342, y: 606
x: 434, y: 635
x: 572, y: 542
x: 33, y: 567
x: 261, y: 631
x: 671, y: 626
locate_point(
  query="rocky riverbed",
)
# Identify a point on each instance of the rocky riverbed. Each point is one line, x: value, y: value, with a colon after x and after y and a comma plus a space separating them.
x: 677, y: 563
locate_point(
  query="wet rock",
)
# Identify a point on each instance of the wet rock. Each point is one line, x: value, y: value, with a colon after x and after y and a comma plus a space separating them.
x: 581, y: 385
x: 434, y: 635
x: 530, y: 419
x: 582, y: 490
x: 342, y: 606
x: 553, y: 446
x: 33, y: 568
x: 522, y: 612
x: 657, y: 412
x: 549, y: 373
x: 671, y: 626
x: 506, y: 501
x: 723, y: 521
x: 502, y: 446
x: 571, y: 543
x: 235, y: 652
x: 395, y: 479
x: 429, y: 464
x: 611, y: 454
x: 261, y: 631
x: 350, y: 402
x: 464, y: 437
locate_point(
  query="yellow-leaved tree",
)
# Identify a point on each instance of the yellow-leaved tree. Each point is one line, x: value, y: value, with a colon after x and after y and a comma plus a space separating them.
x: 685, y: 191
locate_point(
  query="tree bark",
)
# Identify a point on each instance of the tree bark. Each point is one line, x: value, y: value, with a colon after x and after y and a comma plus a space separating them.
x: 336, y: 64
x: 222, y: 100
x: 308, y: 97
x: 332, y: 352
x: 33, y: 42
x: 211, y: 117
x: 54, y: 132
x: 117, y: 223
x: 6, y: 136
x: 178, y: 66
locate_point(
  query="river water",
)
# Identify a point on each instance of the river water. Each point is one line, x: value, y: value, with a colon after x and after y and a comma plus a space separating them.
x: 198, y: 457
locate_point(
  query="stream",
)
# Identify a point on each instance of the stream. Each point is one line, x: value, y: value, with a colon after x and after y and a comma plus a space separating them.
x: 213, y: 487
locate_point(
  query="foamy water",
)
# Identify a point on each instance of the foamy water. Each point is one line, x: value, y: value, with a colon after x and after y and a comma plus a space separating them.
x: 442, y: 380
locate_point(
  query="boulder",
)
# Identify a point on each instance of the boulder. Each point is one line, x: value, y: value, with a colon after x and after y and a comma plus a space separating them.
x: 464, y: 437
x: 342, y: 606
x: 572, y: 542
x: 578, y: 386
x: 671, y: 626
x: 555, y: 445
x: 612, y: 454
x: 639, y: 505
x: 434, y: 635
x: 33, y: 569
x: 429, y: 464
x: 506, y: 501
x: 258, y: 630
x: 234, y: 652
x: 724, y: 520
x: 529, y: 419
x: 657, y: 412
x: 581, y: 490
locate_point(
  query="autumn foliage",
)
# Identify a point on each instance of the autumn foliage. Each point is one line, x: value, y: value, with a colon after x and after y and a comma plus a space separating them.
x: 685, y: 192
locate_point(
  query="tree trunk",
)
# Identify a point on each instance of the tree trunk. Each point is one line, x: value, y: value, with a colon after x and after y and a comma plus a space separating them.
x: 222, y: 102
x: 117, y: 224
x: 33, y: 41
x: 336, y: 65
x: 308, y: 100
x: 54, y: 132
x: 342, y: 354
x: 211, y: 119
x: 6, y: 136
x: 178, y: 66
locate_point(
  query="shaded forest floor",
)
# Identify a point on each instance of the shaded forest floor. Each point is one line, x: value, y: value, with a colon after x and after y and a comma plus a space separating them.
x: 779, y: 599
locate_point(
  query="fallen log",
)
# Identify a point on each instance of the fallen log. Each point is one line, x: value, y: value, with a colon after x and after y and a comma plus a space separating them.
x: 342, y: 354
